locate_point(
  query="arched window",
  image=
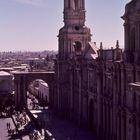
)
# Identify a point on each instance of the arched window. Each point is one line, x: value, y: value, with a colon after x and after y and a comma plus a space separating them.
x: 78, y: 47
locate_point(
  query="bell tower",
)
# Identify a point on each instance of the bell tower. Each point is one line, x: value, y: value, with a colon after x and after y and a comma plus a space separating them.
x: 74, y: 35
x: 132, y: 32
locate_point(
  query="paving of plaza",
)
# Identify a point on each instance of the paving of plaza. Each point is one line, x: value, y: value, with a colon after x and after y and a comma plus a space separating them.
x: 62, y: 129
x: 4, y: 131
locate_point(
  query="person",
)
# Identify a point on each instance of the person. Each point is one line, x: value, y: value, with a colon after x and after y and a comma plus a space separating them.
x: 12, y: 131
x: 30, y: 136
x: 9, y: 131
x: 7, y: 125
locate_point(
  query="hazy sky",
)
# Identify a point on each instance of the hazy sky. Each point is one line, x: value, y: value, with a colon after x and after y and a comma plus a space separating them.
x: 32, y: 25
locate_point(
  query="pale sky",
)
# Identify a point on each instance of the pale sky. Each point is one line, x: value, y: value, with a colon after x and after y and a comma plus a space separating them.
x: 33, y: 25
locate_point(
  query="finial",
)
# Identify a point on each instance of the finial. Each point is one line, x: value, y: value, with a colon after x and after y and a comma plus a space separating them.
x: 117, y: 44
x: 101, y: 45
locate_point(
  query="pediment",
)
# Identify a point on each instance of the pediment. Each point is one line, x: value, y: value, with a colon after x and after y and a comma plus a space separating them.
x: 90, y: 51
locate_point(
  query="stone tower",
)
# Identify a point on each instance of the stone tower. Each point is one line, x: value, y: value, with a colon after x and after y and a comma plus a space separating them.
x: 73, y: 38
x: 132, y: 31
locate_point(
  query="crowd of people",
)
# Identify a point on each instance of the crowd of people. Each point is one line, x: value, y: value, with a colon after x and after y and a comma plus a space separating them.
x: 36, y: 135
x: 6, y: 111
x: 10, y: 130
x: 23, y: 123
x: 21, y: 118
x: 33, y: 104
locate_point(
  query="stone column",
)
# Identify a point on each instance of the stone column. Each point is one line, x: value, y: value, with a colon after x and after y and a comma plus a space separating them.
x: 83, y: 4
x: 17, y: 94
x: 127, y: 40
x: 66, y: 3
x: 130, y: 128
x: 137, y: 51
x: 138, y: 129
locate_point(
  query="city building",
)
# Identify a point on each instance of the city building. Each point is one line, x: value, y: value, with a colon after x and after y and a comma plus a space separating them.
x: 43, y: 93
x: 40, y: 89
x: 6, y: 88
x: 99, y: 89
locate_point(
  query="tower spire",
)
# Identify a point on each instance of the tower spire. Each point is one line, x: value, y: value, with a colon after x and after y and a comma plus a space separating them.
x: 74, y: 11
x: 74, y: 4
x: 74, y: 35
x: 117, y: 44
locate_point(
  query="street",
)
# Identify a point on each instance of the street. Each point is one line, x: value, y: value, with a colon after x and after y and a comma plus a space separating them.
x: 4, y: 131
x: 65, y: 130
x: 60, y: 129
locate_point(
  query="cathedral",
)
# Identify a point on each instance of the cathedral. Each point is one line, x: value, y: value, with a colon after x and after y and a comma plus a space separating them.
x: 97, y: 88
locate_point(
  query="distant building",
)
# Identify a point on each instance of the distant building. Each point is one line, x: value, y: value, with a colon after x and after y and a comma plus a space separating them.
x: 40, y: 89
x: 111, y: 54
x: 43, y: 92
x: 6, y: 88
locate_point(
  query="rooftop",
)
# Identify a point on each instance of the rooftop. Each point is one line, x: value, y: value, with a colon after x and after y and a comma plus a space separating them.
x: 135, y: 87
x: 3, y: 73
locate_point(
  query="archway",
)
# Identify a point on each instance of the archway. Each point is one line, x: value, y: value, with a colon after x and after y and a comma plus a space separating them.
x: 77, y: 46
x: 22, y: 80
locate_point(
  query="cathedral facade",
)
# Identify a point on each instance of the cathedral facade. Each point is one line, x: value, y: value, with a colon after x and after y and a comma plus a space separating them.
x: 99, y: 89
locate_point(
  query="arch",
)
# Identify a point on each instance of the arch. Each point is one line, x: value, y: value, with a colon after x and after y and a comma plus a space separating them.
x: 22, y: 80
x: 78, y: 47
